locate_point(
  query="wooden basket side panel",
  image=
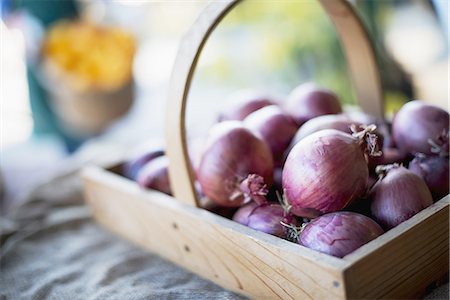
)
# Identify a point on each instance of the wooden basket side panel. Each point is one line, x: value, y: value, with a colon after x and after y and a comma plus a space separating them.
x: 406, y: 265
x: 187, y: 236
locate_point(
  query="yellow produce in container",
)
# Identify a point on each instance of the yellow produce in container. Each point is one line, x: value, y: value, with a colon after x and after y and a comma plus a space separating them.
x: 90, y: 56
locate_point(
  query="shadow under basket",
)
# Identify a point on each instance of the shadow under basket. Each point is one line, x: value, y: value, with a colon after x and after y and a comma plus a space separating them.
x: 401, y: 263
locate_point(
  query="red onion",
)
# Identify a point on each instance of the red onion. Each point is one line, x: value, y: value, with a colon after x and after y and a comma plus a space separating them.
x: 398, y: 195
x: 416, y: 123
x: 242, y: 214
x: 339, y: 122
x: 434, y: 170
x: 139, y: 158
x: 243, y: 103
x: 339, y: 233
x: 275, y: 127
x: 155, y: 175
x: 266, y: 218
x: 308, y: 101
x: 326, y: 170
x: 236, y: 165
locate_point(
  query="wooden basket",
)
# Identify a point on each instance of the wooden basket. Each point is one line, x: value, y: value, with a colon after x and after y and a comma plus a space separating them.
x: 399, y: 264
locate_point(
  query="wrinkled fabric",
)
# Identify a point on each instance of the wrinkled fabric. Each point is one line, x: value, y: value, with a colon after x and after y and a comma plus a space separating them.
x: 52, y: 249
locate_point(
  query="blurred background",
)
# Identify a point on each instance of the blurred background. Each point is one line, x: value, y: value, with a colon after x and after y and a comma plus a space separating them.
x: 82, y: 79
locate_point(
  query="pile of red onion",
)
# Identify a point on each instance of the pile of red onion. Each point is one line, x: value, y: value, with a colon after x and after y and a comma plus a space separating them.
x: 307, y: 172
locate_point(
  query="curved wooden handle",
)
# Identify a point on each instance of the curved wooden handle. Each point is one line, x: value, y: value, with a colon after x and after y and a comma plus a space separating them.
x: 357, y: 48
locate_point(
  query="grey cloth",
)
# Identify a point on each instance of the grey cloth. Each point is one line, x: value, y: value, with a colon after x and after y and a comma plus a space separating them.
x: 52, y: 249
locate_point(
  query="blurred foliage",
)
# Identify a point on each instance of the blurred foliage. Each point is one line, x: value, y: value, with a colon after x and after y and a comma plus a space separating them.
x: 290, y: 42
x: 280, y: 44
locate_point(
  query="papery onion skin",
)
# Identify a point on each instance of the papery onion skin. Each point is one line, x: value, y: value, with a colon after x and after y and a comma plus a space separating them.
x: 324, y: 172
x: 155, y: 175
x: 308, y: 101
x: 139, y: 158
x: 339, y: 233
x: 242, y: 103
x: 266, y: 218
x: 275, y: 127
x: 416, y: 123
x: 232, y: 153
x: 435, y: 171
x: 398, y: 196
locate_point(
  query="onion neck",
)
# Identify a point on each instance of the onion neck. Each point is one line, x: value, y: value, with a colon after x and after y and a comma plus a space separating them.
x: 367, y: 139
x: 382, y: 171
x: 293, y: 232
x: 254, y: 188
x: 440, y: 144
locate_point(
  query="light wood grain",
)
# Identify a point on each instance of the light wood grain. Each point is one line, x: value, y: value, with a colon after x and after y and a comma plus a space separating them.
x: 236, y: 257
x: 356, y: 46
x: 401, y: 263
x: 405, y: 260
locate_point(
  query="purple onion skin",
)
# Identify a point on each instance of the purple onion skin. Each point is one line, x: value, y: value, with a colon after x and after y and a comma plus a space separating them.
x: 139, y: 159
x: 265, y: 218
x: 232, y: 153
x: 415, y: 123
x: 339, y: 233
x: 242, y: 214
x: 339, y: 122
x: 154, y: 175
x: 275, y: 127
x: 398, y: 196
x: 243, y: 103
x: 308, y: 101
x: 324, y: 172
x: 435, y: 171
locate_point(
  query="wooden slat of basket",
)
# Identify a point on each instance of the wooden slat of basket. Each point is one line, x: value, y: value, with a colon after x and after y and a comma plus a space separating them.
x: 405, y: 259
x: 235, y: 256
